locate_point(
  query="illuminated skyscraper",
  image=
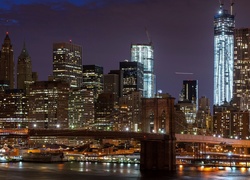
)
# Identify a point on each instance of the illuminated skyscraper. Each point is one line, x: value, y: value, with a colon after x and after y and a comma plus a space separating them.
x: 7, y: 65
x: 67, y: 63
x: 242, y: 68
x: 132, y: 76
x: 48, y: 104
x: 93, y: 79
x: 223, y: 56
x: 144, y: 53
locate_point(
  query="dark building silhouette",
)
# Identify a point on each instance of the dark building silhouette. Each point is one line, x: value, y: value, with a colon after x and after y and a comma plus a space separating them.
x: 7, y: 66
x: 190, y: 91
x: 24, y: 69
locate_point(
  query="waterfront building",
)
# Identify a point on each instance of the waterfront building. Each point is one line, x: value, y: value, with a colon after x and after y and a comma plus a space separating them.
x: 81, y: 109
x: 132, y: 77
x: 228, y: 122
x: 223, y: 56
x: 93, y: 79
x: 144, y: 54
x: 13, y: 109
x: 130, y: 112
x: 105, y: 112
x: 67, y: 63
x: 158, y: 115
x: 24, y: 70
x: 241, y: 90
x: 48, y: 104
x: 7, y: 65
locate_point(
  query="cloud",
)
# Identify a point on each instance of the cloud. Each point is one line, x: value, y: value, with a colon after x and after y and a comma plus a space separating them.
x: 61, y: 4
x: 8, y: 22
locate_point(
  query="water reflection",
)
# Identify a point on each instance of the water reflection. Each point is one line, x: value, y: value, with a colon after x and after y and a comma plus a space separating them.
x: 81, y: 170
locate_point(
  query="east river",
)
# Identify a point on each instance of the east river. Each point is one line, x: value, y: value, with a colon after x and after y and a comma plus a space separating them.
x: 93, y: 171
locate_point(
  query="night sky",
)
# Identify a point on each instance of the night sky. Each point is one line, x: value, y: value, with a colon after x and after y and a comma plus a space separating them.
x: 181, y: 32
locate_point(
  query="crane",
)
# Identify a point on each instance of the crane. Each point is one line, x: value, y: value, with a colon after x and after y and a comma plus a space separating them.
x: 147, y: 33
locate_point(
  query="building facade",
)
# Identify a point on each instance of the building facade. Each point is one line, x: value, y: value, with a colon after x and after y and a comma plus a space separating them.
x: 241, y: 90
x: 93, y: 79
x: 7, y: 65
x: 132, y: 77
x: 48, y: 104
x: 13, y: 109
x: 223, y: 56
x: 228, y: 122
x: 112, y: 85
x: 204, y: 118
x: 144, y: 54
x: 190, y: 91
x: 67, y: 63
x: 130, y: 112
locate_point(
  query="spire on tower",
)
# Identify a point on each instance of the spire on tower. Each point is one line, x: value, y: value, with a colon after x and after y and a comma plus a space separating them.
x: 232, y: 3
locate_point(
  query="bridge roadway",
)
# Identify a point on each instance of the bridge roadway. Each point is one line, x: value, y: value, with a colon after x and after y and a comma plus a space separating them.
x: 124, y: 135
x: 211, y: 140
x: 96, y: 134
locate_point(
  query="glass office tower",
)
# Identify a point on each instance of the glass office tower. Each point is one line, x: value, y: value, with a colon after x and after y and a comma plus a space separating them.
x: 223, y: 56
x: 144, y: 53
x: 67, y: 63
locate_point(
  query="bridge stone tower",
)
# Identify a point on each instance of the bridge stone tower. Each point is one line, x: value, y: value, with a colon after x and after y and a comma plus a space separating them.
x: 157, y: 115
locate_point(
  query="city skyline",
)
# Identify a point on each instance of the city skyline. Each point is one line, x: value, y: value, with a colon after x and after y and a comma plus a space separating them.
x: 107, y: 29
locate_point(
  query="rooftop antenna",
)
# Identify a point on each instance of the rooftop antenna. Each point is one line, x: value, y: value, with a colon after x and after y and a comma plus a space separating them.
x: 147, y: 33
x: 221, y: 3
x: 232, y: 3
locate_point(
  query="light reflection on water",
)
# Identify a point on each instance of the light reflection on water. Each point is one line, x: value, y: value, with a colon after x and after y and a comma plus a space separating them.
x: 88, y: 170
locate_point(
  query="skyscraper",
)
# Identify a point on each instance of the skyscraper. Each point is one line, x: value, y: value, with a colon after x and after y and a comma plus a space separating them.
x: 48, y: 104
x: 111, y: 85
x: 242, y: 68
x: 7, y: 65
x: 132, y: 76
x: 93, y: 79
x: 223, y: 56
x: 190, y: 91
x: 24, y: 69
x: 144, y: 53
x: 67, y: 63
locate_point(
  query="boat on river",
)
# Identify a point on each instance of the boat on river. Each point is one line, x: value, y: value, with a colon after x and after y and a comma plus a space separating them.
x: 43, y: 157
x: 4, y: 158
